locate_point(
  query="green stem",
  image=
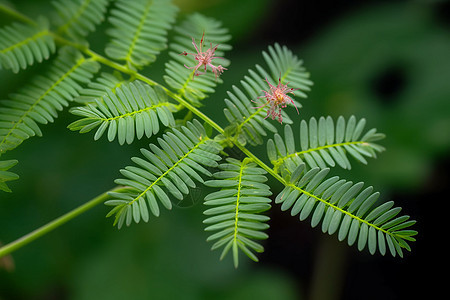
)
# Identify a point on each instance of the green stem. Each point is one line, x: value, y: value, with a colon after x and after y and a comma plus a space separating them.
x: 260, y: 163
x: 26, y: 239
x: 11, y: 12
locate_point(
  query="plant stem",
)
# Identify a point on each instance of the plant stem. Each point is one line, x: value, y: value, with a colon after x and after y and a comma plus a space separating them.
x: 9, y: 11
x: 26, y: 239
x: 260, y: 163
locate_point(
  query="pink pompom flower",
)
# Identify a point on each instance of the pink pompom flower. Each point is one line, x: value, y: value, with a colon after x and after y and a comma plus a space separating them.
x: 277, y: 98
x: 204, y: 59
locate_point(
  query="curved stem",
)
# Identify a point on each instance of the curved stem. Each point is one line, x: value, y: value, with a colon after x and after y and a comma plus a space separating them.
x: 260, y: 163
x: 28, y: 238
x: 15, y: 14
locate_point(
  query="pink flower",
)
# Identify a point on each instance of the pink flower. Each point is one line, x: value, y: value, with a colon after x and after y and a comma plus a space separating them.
x: 204, y: 59
x: 277, y: 98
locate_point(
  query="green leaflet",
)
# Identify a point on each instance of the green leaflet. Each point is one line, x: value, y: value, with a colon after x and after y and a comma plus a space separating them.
x: 98, y: 88
x: 164, y: 173
x: 344, y: 208
x: 39, y: 101
x: 139, y: 30
x: 236, y: 210
x: 246, y: 113
x: 181, y: 78
x: 77, y: 18
x: 6, y: 175
x: 22, y: 45
x: 126, y: 111
x: 324, y: 143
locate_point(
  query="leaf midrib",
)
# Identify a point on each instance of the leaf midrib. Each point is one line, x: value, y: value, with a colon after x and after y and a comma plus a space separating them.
x: 25, y: 41
x: 202, y: 140
x: 128, y: 57
x: 280, y: 160
x: 64, y: 28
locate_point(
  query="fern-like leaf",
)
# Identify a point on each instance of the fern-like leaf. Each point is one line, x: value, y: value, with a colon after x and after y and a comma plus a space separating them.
x: 168, y: 169
x: 284, y: 65
x: 99, y: 87
x: 39, y: 101
x: 22, y: 45
x: 6, y: 175
x: 126, y: 112
x: 139, y: 30
x: 76, y: 19
x: 248, y: 123
x: 181, y: 78
x: 344, y: 208
x: 237, y: 209
x: 324, y: 143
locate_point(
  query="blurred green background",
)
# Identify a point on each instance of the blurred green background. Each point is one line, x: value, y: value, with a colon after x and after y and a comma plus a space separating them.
x: 386, y: 61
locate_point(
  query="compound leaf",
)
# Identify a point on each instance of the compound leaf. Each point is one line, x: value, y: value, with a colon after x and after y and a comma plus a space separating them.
x: 343, y: 208
x: 236, y: 209
x: 127, y: 111
x: 164, y: 173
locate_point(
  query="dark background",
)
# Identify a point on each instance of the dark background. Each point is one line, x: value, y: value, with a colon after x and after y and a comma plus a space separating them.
x: 387, y: 61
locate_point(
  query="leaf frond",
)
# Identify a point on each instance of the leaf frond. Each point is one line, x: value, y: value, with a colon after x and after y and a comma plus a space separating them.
x: 165, y: 172
x: 236, y: 210
x: 39, y: 101
x: 248, y: 120
x: 22, y: 45
x: 324, y: 143
x: 128, y: 111
x: 139, y: 30
x: 180, y: 78
x: 6, y: 175
x: 346, y: 209
x: 77, y: 18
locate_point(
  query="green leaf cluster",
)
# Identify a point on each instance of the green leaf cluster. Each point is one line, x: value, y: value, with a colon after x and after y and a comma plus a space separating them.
x: 6, y: 175
x: 40, y: 100
x: 21, y: 45
x: 237, y: 207
x: 344, y: 208
x: 166, y: 170
x: 246, y: 112
x: 124, y: 104
x: 126, y: 112
x: 77, y: 18
x: 324, y: 143
x: 139, y: 30
x: 98, y: 88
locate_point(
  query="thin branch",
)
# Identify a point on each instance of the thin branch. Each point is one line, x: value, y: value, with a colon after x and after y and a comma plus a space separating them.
x: 15, y: 14
x: 26, y: 239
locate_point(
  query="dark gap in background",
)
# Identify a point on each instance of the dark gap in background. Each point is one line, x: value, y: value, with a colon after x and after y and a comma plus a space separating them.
x: 283, y: 26
x: 442, y: 13
x: 388, y: 84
